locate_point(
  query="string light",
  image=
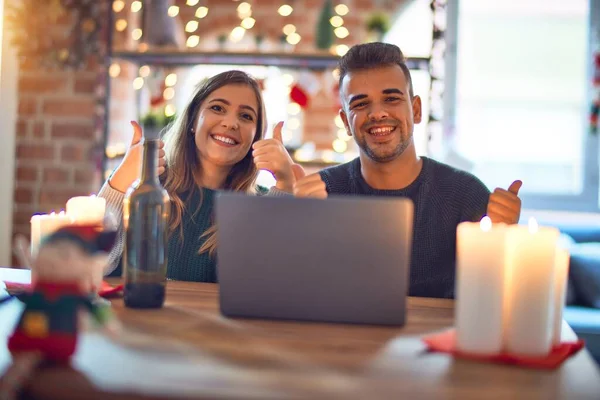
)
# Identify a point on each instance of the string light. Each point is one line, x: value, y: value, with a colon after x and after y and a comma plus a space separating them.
x: 289, y: 29
x: 287, y: 79
x: 343, y: 135
x: 244, y: 10
x: 339, y: 122
x: 168, y: 93
x: 121, y: 25
x: 201, y: 12
x: 143, y: 47
x: 173, y: 11
x: 171, y: 80
x: 118, y: 5
x: 293, y: 123
x: 341, y: 32
x: 138, y: 83
x: 341, y: 9
x: 341, y: 49
x: 287, y: 136
x: 336, y: 74
x: 191, y: 26
x: 237, y: 34
x: 339, y: 146
x: 136, y: 6
x: 169, y: 110
x: 111, y: 151
x: 192, y: 3
x: 192, y: 41
x: 294, y: 38
x: 144, y: 71
x: 136, y: 34
x: 336, y: 21
x: 248, y: 23
x: 285, y: 10
x: 293, y: 109
x: 114, y: 70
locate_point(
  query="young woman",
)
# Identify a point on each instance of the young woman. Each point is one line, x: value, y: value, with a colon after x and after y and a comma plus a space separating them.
x: 215, y: 144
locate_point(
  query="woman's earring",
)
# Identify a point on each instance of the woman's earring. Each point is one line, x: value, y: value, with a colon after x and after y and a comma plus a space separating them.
x: 192, y: 132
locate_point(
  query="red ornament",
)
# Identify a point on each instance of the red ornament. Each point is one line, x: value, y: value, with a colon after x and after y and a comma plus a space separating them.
x: 299, y: 95
x: 158, y: 98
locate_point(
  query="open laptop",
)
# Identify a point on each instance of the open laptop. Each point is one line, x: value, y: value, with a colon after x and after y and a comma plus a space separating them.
x: 344, y: 259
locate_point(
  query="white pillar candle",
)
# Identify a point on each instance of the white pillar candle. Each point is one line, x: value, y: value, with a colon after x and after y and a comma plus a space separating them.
x: 43, y: 225
x: 480, y: 286
x: 530, y: 286
x: 561, y: 276
x: 86, y: 209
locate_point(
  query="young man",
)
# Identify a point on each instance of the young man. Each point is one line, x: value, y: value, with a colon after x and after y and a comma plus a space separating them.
x: 379, y: 110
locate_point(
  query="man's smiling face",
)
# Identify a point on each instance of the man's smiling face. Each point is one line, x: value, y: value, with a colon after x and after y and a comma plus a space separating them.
x: 378, y: 111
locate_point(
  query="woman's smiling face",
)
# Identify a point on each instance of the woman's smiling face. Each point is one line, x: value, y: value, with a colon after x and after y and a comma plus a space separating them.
x: 226, y: 125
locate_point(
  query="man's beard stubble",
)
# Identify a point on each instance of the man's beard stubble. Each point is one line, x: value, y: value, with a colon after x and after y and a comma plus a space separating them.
x: 383, y: 158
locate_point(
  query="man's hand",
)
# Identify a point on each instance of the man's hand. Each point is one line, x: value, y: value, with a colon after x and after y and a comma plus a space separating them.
x: 271, y: 155
x: 505, y: 205
x: 310, y: 186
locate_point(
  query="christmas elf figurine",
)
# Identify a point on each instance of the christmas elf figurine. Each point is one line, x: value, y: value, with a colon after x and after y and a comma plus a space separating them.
x: 61, y: 285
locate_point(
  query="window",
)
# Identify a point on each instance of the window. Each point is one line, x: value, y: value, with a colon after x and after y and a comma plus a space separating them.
x: 411, y: 31
x: 522, y: 96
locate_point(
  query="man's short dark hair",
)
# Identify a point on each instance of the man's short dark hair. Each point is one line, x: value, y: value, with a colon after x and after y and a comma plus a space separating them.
x: 374, y: 55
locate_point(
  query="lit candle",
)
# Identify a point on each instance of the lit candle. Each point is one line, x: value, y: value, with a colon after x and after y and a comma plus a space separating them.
x: 87, y: 209
x: 480, y: 286
x: 561, y: 276
x: 530, y: 285
x: 44, y: 224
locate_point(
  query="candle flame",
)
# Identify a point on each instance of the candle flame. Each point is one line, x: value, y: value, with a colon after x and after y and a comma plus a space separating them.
x: 486, y: 224
x: 533, y: 225
x: 62, y: 212
x: 52, y: 213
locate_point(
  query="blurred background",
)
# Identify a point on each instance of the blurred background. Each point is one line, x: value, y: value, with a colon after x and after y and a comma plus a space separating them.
x: 509, y: 88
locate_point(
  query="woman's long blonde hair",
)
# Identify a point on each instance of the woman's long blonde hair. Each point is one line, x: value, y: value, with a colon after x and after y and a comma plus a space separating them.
x: 183, y: 170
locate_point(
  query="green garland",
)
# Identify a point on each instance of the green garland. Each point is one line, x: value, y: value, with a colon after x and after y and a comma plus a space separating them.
x: 55, y: 33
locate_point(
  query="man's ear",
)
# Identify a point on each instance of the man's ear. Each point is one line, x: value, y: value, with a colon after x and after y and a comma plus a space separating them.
x: 416, y: 106
x: 344, y: 118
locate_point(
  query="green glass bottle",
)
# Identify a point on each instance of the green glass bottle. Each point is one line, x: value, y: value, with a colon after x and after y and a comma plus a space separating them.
x: 146, y: 215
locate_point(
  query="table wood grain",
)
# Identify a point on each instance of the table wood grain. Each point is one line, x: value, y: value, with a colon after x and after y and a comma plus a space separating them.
x: 189, y: 350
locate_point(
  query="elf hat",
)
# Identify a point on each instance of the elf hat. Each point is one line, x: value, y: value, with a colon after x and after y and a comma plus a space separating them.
x: 89, y: 237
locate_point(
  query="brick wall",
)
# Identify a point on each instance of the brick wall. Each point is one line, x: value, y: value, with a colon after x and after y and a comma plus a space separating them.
x: 59, y: 138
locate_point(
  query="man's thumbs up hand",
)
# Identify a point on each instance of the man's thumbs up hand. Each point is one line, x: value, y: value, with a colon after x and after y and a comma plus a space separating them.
x: 505, y: 205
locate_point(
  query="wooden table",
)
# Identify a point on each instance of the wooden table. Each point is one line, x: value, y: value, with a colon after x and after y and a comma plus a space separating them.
x: 187, y: 349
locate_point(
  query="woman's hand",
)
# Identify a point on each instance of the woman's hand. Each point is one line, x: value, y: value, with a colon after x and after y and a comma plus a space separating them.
x: 131, y: 167
x: 271, y: 155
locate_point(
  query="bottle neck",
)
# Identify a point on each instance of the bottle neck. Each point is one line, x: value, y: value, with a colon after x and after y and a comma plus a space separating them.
x: 150, y: 162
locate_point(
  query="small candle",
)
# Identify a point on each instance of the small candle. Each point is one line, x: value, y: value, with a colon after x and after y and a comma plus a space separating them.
x: 561, y: 276
x: 87, y: 209
x: 480, y: 286
x: 530, y: 285
x: 44, y: 224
